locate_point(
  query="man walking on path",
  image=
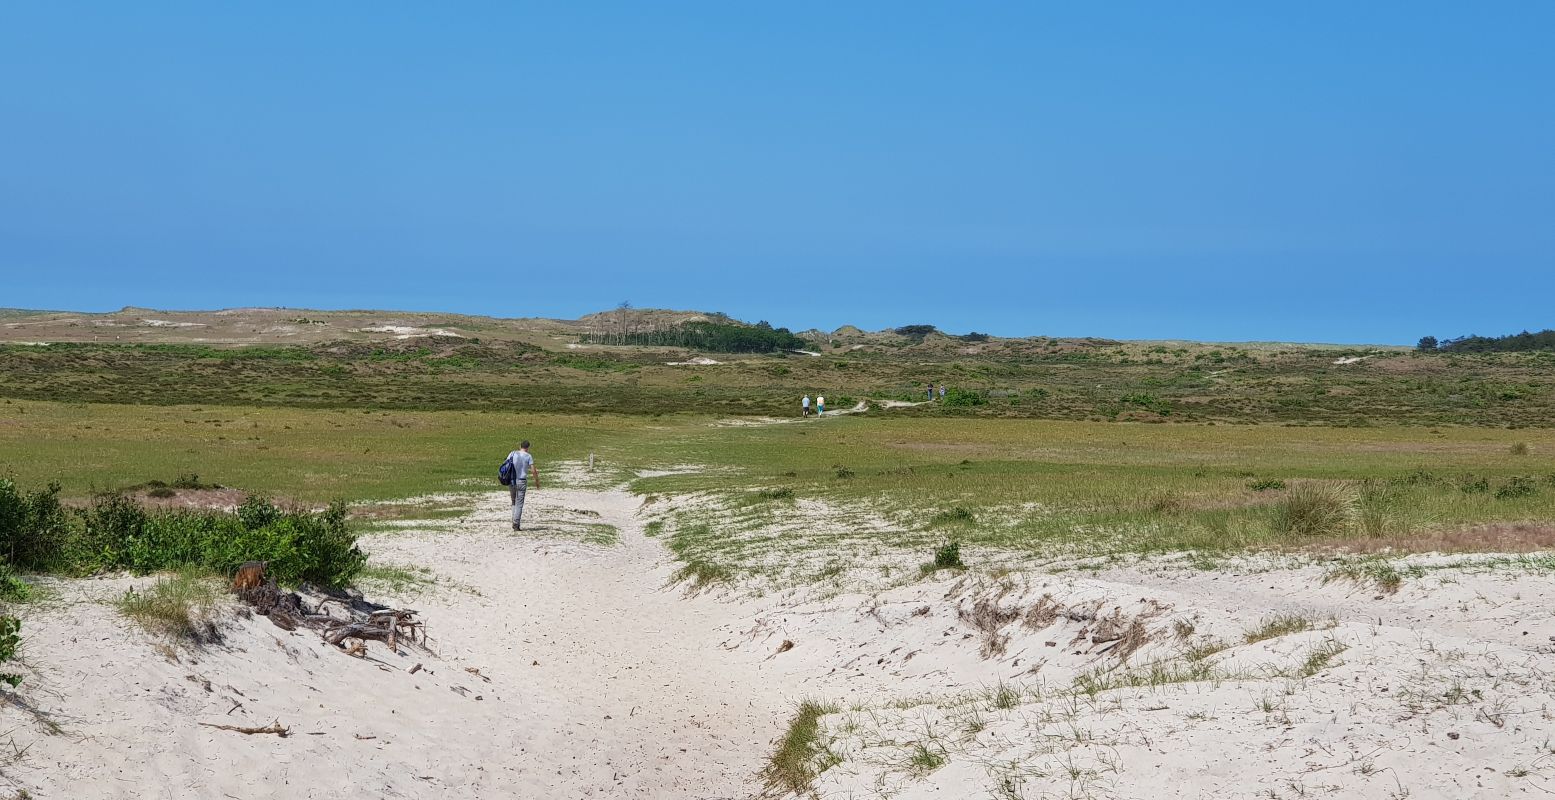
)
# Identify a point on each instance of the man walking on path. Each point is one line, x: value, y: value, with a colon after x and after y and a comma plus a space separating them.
x: 804, y: 406
x: 523, y: 468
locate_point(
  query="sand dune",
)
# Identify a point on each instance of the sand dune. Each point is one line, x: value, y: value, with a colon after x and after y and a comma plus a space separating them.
x: 564, y: 669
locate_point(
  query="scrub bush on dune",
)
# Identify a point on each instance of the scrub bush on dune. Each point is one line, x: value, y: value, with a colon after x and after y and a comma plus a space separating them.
x: 316, y: 547
x: 34, y: 528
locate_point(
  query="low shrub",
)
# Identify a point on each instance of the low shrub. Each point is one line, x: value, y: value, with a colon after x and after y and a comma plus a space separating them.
x: 1147, y: 401
x: 34, y: 528
x: 12, y: 588
x: 191, y: 481
x: 956, y: 397
x: 946, y: 557
x: 955, y: 516
x: 10, y: 640
x: 1266, y: 484
x: 1517, y: 486
x: 1520, y: 449
x: 316, y: 547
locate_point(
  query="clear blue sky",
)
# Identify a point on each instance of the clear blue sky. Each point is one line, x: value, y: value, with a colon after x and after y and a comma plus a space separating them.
x: 1326, y: 171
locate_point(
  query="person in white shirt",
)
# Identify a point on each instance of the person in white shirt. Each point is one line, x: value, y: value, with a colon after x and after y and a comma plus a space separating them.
x: 820, y: 405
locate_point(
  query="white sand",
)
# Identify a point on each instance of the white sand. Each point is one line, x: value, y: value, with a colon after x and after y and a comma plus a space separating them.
x: 603, y: 683
x: 162, y: 323
x: 407, y: 331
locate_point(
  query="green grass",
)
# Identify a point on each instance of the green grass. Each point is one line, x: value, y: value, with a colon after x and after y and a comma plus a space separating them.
x: 1052, y: 489
x: 601, y: 534
x: 925, y: 758
x: 312, y: 455
x: 1032, y: 488
x: 1382, y: 573
x: 801, y: 755
x: 1277, y: 626
x: 1320, y: 658
x: 183, y: 606
x: 395, y: 579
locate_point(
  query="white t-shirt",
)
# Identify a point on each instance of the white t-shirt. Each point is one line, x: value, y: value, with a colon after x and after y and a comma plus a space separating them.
x: 522, y: 462
x: 820, y: 401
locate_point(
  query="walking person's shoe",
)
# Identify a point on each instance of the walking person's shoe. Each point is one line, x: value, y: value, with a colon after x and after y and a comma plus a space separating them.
x: 517, y: 527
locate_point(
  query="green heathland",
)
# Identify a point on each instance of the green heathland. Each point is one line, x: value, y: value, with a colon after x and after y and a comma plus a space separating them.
x: 1041, y: 448
x: 1053, y: 379
x: 1028, y: 484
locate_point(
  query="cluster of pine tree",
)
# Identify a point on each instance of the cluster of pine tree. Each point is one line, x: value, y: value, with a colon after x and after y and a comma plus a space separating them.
x: 1543, y: 340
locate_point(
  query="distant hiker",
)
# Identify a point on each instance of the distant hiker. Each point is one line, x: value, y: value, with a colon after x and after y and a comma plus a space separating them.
x: 942, y: 391
x: 804, y: 406
x: 820, y: 405
x: 931, y: 391
x: 523, y: 465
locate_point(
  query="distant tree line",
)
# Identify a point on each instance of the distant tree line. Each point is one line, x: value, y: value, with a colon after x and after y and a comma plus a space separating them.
x: 716, y: 337
x: 918, y: 333
x: 915, y: 332
x: 1516, y: 342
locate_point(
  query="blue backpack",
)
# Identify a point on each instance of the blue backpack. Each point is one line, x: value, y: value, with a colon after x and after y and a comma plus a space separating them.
x: 505, y: 472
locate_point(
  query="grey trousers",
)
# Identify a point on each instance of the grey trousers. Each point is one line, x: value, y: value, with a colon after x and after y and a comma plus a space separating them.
x: 516, y: 491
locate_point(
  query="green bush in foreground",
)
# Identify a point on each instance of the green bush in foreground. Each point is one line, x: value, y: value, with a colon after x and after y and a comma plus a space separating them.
x: 10, y: 639
x: 946, y: 557
x: 115, y: 532
x: 299, y: 545
x: 34, y: 528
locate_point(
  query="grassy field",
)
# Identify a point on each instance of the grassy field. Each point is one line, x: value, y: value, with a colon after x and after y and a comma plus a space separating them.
x: 1052, y: 448
x: 304, y: 454
x: 869, y: 483
x: 807, y: 501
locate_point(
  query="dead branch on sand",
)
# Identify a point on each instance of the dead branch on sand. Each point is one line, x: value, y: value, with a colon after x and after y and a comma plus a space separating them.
x: 362, y: 621
x: 275, y: 727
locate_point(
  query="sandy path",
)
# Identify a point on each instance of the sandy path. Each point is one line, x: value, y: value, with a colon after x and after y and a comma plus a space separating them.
x: 634, y: 694
x: 594, y: 680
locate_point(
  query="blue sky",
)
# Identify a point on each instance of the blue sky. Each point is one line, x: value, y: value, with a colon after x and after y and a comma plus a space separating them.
x: 1322, y: 171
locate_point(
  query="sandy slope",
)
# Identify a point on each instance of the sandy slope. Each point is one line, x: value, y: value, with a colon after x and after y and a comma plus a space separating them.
x: 594, y: 680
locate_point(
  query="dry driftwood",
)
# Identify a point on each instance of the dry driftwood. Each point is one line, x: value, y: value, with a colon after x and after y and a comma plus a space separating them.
x: 275, y: 727
x: 358, y: 623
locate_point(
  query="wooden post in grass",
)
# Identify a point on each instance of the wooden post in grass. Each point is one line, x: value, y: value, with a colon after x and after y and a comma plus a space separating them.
x: 591, y: 462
